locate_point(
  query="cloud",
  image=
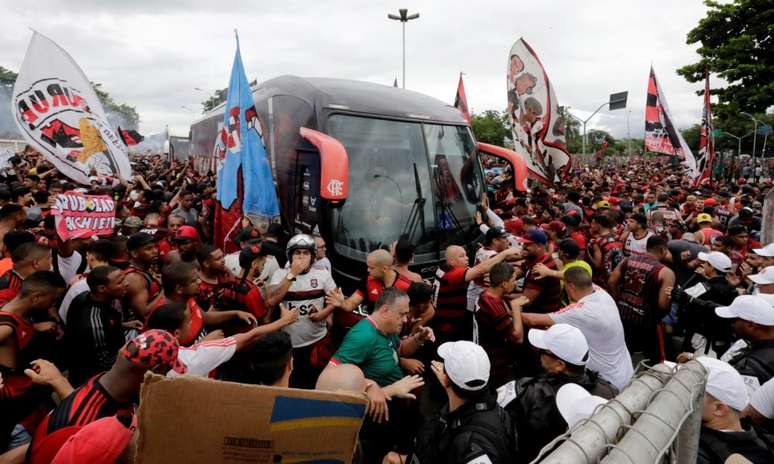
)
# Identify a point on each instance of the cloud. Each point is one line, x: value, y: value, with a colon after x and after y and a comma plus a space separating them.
x: 153, y: 54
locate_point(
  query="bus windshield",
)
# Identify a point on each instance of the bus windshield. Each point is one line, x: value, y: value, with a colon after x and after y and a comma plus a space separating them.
x: 405, y: 178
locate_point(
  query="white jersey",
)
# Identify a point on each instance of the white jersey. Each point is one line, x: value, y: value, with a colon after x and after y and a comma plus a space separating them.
x: 637, y: 247
x: 307, y: 293
x: 204, y: 357
x: 596, y: 315
x: 477, y: 287
x: 75, y: 289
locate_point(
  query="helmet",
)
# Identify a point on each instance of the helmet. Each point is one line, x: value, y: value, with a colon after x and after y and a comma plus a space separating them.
x: 301, y: 242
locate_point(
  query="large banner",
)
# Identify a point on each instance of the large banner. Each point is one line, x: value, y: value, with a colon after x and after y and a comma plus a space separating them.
x: 80, y: 216
x: 59, y: 114
x: 245, y: 185
x: 661, y: 134
x: 706, y: 144
x: 536, y: 125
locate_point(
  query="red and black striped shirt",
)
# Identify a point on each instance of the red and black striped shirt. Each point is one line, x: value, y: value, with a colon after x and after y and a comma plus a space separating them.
x: 83, y: 406
x: 10, y: 285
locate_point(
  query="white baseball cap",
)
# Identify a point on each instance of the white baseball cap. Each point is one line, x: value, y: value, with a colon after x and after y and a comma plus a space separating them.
x: 466, y: 364
x: 767, y: 251
x: 563, y: 340
x: 764, y: 277
x: 725, y: 383
x: 575, y: 404
x: 717, y: 260
x: 751, y: 308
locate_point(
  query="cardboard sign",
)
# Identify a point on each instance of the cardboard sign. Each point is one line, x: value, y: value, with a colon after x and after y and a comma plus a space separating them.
x: 78, y: 215
x: 192, y: 419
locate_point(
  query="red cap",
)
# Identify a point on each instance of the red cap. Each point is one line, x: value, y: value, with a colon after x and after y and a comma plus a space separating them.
x: 103, y: 440
x: 189, y: 232
x: 154, y: 348
x: 614, y: 200
x: 514, y: 226
x: 556, y: 226
x: 710, y: 202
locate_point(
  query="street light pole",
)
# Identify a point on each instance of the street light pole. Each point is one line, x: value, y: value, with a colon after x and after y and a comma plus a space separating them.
x: 739, y: 147
x: 403, y: 17
x: 628, y: 135
x: 755, y: 132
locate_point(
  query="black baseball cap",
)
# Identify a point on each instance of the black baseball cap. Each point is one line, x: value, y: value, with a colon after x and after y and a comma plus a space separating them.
x: 138, y: 240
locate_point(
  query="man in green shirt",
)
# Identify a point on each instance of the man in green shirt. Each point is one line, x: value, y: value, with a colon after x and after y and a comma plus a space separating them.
x: 373, y: 345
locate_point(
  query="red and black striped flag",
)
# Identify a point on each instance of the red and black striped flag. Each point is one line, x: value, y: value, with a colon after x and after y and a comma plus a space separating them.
x: 130, y: 137
x: 661, y: 134
x: 706, y: 144
x: 461, y: 101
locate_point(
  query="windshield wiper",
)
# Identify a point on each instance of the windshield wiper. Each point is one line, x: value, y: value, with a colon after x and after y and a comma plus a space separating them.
x: 417, y: 213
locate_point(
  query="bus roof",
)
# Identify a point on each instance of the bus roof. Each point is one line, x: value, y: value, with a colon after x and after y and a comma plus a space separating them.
x: 358, y: 97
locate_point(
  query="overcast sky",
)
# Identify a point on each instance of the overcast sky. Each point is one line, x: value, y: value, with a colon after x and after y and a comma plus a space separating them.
x: 153, y: 54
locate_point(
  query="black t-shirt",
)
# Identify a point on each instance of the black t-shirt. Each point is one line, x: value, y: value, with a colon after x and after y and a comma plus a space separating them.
x: 94, y: 336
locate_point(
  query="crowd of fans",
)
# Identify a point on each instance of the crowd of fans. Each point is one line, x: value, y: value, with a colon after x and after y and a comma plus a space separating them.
x: 505, y: 348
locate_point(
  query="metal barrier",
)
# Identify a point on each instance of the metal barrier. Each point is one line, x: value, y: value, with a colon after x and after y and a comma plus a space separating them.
x: 657, y: 415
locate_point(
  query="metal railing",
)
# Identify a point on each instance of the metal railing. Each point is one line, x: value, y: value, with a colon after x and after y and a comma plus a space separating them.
x: 655, y: 419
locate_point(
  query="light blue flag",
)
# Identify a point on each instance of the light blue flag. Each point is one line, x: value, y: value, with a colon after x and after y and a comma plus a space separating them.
x: 242, y: 142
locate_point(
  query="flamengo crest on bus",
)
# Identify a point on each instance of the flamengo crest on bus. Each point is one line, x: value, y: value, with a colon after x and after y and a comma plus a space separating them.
x: 335, y: 187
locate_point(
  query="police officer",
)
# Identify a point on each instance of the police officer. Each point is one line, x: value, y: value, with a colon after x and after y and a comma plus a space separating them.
x: 472, y: 428
x: 722, y: 432
x: 696, y: 316
x: 531, y: 401
x: 753, y: 319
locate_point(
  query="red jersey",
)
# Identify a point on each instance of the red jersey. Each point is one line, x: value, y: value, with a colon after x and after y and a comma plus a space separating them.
x: 14, y: 381
x: 242, y: 295
x: 549, y: 298
x: 151, y: 283
x: 370, y: 290
x: 494, y: 327
x: 197, y: 331
x: 83, y: 406
x: 10, y: 285
x: 452, y: 320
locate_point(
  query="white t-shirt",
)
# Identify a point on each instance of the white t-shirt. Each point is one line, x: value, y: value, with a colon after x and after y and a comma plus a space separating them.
x: 307, y: 293
x: 202, y: 358
x: 474, y: 289
x: 763, y: 399
x: 75, y: 289
x: 596, y: 315
x: 637, y: 247
x: 68, y: 267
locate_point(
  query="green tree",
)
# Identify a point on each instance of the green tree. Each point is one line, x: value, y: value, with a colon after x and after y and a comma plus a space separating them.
x: 7, y: 78
x: 491, y: 126
x: 219, y: 96
x: 736, y: 44
x: 691, y: 136
x: 120, y: 114
x: 214, y: 100
x: 572, y: 132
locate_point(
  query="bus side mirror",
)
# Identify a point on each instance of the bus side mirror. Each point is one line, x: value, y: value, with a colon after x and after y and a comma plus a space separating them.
x: 334, y: 165
x: 520, y: 172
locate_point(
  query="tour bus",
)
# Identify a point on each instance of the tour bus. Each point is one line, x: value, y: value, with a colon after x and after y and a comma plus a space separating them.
x: 362, y: 164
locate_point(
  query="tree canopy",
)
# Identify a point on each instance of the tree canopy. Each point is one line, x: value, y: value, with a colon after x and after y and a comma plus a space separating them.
x: 736, y: 44
x: 491, y: 127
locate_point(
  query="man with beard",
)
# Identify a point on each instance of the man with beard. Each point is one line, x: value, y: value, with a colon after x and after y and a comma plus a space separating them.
x: 143, y: 286
x: 188, y: 243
